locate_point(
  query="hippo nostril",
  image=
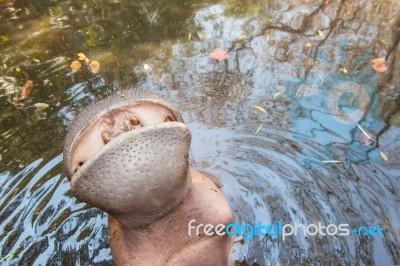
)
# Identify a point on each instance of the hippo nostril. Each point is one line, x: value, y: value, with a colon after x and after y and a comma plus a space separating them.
x: 134, y: 121
x: 78, y: 167
x: 106, y: 136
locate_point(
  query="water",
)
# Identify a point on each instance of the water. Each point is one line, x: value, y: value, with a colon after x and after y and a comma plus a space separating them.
x: 307, y: 64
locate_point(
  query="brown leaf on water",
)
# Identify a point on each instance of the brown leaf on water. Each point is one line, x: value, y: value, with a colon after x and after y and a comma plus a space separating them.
x: 379, y: 64
x: 94, y: 66
x: 26, y: 90
x: 75, y: 66
x: 219, y: 54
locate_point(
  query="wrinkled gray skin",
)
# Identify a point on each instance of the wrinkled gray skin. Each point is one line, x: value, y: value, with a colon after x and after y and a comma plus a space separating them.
x: 128, y: 155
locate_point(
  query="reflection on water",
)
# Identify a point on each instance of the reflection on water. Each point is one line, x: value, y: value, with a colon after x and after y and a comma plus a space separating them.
x: 307, y: 65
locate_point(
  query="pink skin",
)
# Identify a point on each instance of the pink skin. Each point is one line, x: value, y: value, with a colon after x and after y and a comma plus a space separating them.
x: 91, y: 141
x: 166, y: 241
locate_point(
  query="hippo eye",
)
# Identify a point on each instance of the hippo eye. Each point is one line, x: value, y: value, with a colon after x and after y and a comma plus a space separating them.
x: 168, y: 119
x: 134, y: 121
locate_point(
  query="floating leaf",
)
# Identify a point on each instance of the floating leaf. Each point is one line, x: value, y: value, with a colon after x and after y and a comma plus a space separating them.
x: 75, y: 66
x: 331, y: 161
x: 189, y: 37
x: 344, y: 70
x: 72, y: 96
x: 384, y: 157
x: 36, y: 60
x: 321, y: 33
x: 4, y: 38
x: 146, y: 67
x: 41, y: 106
x: 242, y: 37
x: 363, y: 131
x: 260, y: 108
x: 219, y: 54
x: 322, y: 79
x: 379, y: 64
x: 82, y: 57
x: 277, y: 94
x: 94, y: 66
x: 26, y: 90
x: 308, y: 45
x: 201, y: 36
x: 17, y: 69
x: 259, y: 128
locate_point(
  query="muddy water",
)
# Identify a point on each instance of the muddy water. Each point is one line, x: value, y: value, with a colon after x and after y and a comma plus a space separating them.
x: 308, y: 65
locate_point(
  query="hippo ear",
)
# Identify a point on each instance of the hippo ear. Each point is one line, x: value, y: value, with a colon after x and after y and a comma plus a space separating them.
x: 139, y: 175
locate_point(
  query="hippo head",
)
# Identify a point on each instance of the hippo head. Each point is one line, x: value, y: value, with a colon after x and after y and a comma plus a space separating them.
x: 113, y: 151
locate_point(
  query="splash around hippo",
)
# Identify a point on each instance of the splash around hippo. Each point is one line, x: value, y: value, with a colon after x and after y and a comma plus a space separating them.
x: 129, y: 156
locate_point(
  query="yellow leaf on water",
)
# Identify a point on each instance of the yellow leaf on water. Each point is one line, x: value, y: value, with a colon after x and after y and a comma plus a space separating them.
x: 17, y: 69
x: 41, y: 106
x: 82, y: 57
x: 4, y: 38
x: 242, y: 37
x: 260, y: 108
x: 321, y: 33
x: 344, y: 70
x: 259, y: 128
x: 277, y: 94
x: 384, y: 157
x: 201, y: 35
x: 189, y: 37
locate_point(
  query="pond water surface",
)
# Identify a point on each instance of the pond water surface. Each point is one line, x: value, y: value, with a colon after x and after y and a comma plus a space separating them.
x: 322, y: 145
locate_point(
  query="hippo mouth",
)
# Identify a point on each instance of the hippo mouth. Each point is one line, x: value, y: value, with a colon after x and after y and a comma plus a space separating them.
x: 146, y: 164
x: 152, y: 144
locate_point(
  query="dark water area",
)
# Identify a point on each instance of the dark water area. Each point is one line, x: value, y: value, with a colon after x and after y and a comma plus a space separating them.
x: 296, y: 122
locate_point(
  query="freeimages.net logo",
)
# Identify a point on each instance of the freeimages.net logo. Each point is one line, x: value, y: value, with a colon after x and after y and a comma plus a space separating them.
x: 279, y: 229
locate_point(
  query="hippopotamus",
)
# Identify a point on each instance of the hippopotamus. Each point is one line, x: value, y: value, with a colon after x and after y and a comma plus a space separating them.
x: 128, y: 155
